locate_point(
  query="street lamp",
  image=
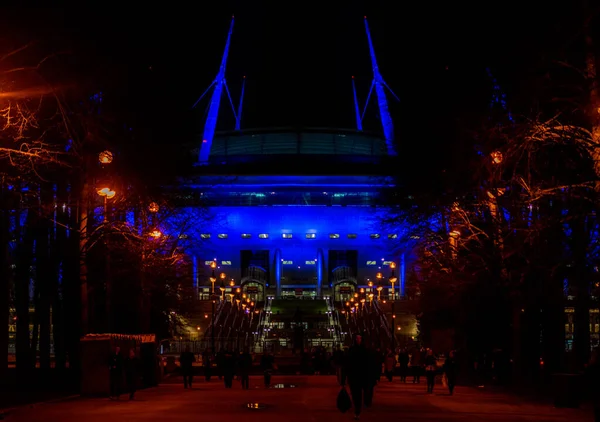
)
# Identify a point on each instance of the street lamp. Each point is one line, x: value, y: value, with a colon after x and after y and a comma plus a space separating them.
x: 222, y: 286
x: 107, y: 194
x: 496, y: 157
x: 454, y: 235
x: 393, y: 279
x: 213, y: 279
x: 105, y: 157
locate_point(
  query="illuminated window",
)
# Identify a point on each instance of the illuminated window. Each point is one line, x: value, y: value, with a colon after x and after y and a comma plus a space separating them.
x: 222, y: 235
x: 183, y: 236
x: 287, y: 235
x: 225, y: 262
x: 386, y: 262
x: 263, y: 236
x: 334, y: 236
x: 371, y: 262
x: 246, y: 235
x: 310, y: 262
x: 415, y: 237
x: 352, y: 236
x: 311, y: 235
x: 375, y: 236
x: 288, y: 262
x: 208, y: 262
x: 205, y: 236
x: 392, y: 236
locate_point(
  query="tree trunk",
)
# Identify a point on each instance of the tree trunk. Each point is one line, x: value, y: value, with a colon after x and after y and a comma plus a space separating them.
x: 44, y: 274
x: 23, y: 295
x: 5, y: 279
x: 581, y: 286
x: 82, y: 253
x: 71, y: 284
x: 59, y: 263
x: 553, y: 328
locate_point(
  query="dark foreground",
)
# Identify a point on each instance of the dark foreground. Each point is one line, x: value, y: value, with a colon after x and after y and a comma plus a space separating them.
x: 313, y: 399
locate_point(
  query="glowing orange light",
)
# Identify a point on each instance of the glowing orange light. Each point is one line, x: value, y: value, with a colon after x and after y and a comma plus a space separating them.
x: 153, y: 207
x: 222, y: 275
x: 213, y: 264
x: 496, y: 157
x: 105, y: 157
x: 106, y: 192
x: 392, y: 265
x: 156, y: 234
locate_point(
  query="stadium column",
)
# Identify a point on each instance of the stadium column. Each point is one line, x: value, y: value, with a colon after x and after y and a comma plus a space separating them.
x: 320, y: 263
x: 402, y: 275
x: 278, y: 271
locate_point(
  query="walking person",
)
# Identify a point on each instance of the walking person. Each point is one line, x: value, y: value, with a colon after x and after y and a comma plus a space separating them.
x: 416, y: 362
x: 267, y: 364
x: 219, y: 361
x: 132, y: 365
x: 403, y: 360
x: 338, y: 363
x: 450, y: 371
x: 389, y: 364
x: 207, y: 364
x: 430, y: 367
x: 244, y: 366
x: 361, y: 372
x: 186, y: 361
x: 379, y: 356
x: 228, y: 368
x: 593, y: 378
x: 115, y: 365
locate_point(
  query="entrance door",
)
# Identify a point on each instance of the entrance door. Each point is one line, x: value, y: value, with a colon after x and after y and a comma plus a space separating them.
x: 299, y: 273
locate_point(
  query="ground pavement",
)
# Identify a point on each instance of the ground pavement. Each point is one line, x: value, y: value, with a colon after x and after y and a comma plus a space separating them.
x: 312, y: 399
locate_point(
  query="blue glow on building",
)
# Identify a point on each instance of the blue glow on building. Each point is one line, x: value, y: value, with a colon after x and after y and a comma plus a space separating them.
x: 291, y: 210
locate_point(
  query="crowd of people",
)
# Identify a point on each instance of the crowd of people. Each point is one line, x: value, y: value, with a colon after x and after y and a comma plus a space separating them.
x: 361, y: 369
x: 229, y: 364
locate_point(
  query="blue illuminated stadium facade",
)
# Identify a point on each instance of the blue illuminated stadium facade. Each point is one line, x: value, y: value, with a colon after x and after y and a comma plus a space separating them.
x: 295, y: 212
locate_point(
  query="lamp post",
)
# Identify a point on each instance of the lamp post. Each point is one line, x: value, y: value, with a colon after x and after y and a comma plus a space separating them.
x: 107, y: 194
x: 213, y: 279
x: 222, y: 285
x: 393, y: 279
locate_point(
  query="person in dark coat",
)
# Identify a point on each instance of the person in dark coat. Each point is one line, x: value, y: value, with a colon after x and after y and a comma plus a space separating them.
x: 403, y: 360
x: 361, y: 365
x: 450, y: 370
x: 338, y: 363
x: 430, y: 368
x: 219, y: 361
x: 389, y: 364
x: 378, y: 364
x: 228, y: 368
x: 186, y: 360
x: 132, y: 365
x: 244, y: 366
x: 207, y: 364
x: 115, y: 366
x: 416, y: 363
x: 593, y: 376
x: 267, y: 364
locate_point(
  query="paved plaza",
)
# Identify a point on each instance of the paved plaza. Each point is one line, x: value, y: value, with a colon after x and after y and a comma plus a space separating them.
x: 313, y: 399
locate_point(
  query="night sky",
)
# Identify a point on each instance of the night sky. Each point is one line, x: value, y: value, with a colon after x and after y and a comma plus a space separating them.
x: 152, y: 63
